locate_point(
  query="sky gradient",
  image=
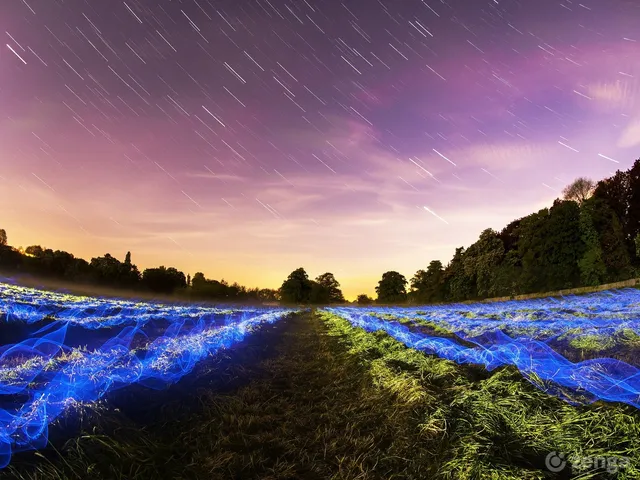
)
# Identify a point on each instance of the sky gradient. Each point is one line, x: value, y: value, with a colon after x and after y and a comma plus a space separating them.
x: 245, y: 139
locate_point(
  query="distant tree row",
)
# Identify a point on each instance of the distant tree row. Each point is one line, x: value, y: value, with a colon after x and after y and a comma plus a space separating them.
x: 108, y: 271
x: 299, y: 289
x: 204, y: 289
x: 590, y: 237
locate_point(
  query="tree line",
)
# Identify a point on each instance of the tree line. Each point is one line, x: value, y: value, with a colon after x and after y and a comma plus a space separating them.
x: 108, y: 271
x: 589, y: 237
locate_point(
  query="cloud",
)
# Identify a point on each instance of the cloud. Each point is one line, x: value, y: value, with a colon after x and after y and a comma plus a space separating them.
x: 619, y: 94
x: 631, y: 135
x: 216, y: 176
x: 504, y: 156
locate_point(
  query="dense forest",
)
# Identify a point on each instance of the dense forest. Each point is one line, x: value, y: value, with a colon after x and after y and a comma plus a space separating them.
x: 589, y: 237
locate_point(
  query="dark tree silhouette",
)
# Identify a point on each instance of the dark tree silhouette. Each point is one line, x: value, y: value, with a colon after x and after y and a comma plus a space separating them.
x: 579, y: 190
x: 268, y: 295
x: 3, y: 237
x: 392, y: 288
x: 364, y: 299
x: 458, y: 285
x: 34, y: 250
x: 296, y: 288
x: 163, y: 280
x: 428, y: 286
x: 326, y: 289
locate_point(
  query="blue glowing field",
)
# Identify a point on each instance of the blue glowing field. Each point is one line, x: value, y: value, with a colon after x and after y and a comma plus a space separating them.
x: 535, y: 336
x: 61, y: 350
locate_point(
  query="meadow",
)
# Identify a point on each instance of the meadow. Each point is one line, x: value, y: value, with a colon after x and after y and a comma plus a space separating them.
x: 120, y: 389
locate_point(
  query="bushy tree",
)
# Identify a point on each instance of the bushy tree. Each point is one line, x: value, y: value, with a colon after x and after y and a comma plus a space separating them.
x: 108, y: 270
x: 392, y: 288
x: 564, y: 246
x: 296, y: 288
x: 592, y: 267
x: 10, y: 258
x: 326, y: 289
x: 509, y: 272
x: 163, y: 280
x: 364, y: 299
x: 615, y: 253
x: 579, y: 190
x: 481, y: 262
x: 510, y: 235
x: 621, y: 193
x: 34, y: 250
x: 457, y: 285
x: 268, y: 295
x: 615, y: 191
x: 428, y: 286
x: 634, y: 200
x: 550, y: 246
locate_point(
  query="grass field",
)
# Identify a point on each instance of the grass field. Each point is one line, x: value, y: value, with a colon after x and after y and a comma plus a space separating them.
x: 313, y: 397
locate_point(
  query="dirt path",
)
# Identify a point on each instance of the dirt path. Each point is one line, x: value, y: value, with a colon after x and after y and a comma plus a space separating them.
x: 314, y: 414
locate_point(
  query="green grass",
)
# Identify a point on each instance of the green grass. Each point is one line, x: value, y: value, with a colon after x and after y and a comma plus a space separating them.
x: 314, y: 398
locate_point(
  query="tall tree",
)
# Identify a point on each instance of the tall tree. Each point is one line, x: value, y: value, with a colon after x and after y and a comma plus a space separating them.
x: 531, y: 249
x: 482, y: 260
x: 615, y: 191
x: 579, y: 190
x: 428, y: 286
x: 508, y: 274
x: 457, y: 285
x: 3, y: 237
x: 592, y: 267
x: 10, y: 258
x: 510, y: 235
x: 329, y: 283
x: 106, y: 269
x: 297, y: 287
x: 564, y: 246
x: 550, y: 246
x: 615, y: 253
x: 198, y: 279
x: 392, y: 288
x: 633, y: 210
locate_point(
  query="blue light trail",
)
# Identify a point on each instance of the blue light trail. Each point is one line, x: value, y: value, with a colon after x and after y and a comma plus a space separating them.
x: 116, y: 343
x: 519, y: 333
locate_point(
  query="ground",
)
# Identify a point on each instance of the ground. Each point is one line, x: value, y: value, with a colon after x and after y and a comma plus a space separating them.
x: 311, y: 397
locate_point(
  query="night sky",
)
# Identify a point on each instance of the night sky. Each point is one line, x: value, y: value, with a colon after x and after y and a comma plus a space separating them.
x: 246, y: 138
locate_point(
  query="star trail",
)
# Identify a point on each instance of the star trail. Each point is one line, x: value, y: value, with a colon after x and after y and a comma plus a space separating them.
x: 247, y: 138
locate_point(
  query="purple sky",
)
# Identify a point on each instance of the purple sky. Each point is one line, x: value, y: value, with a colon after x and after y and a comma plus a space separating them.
x: 245, y: 139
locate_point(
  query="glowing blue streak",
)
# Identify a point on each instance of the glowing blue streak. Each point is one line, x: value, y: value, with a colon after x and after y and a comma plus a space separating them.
x: 602, y: 378
x: 53, y: 376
